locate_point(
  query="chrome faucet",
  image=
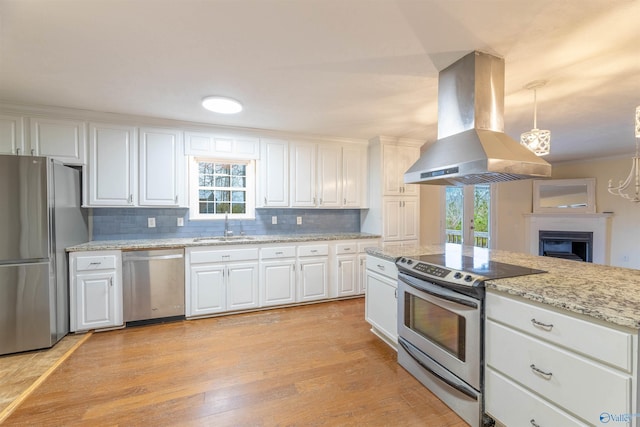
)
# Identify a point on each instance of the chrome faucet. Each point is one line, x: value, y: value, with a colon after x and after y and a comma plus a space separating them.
x: 227, y: 232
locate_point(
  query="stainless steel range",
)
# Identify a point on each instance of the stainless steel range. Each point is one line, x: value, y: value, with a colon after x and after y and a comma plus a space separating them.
x: 441, y: 324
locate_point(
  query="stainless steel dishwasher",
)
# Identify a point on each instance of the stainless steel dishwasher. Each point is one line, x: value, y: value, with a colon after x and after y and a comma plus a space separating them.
x: 153, y: 282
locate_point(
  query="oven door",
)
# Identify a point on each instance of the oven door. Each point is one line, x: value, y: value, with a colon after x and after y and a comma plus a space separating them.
x: 443, y: 324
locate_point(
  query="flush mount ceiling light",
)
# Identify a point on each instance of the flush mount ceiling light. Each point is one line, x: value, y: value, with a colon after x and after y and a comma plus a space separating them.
x: 221, y: 104
x: 634, y: 175
x: 536, y: 140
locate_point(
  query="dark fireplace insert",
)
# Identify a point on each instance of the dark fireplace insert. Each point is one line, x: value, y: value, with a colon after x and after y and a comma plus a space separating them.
x: 573, y: 245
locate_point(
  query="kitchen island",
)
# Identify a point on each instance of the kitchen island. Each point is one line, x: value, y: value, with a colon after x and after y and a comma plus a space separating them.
x: 561, y: 347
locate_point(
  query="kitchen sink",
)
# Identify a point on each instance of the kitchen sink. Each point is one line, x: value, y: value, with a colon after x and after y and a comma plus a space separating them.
x: 224, y: 239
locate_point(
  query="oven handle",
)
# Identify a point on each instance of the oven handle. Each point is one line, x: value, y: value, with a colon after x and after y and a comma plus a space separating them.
x: 436, y: 291
x: 467, y: 391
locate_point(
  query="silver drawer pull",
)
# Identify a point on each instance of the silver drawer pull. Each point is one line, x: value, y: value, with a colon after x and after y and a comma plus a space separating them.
x: 381, y: 267
x: 534, y: 423
x: 279, y: 253
x: 313, y: 251
x: 347, y: 249
x: 545, y: 375
x: 95, y: 263
x: 545, y: 326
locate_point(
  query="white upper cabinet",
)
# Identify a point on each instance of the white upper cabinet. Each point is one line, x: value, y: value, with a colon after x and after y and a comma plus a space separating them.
x: 273, y: 189
x: 64, y: 140
x: 329, y: 176
x: 354, y: 177
x: 112, y: 165
x: 11, y: 134
x: 396, y: 160
x: 224, y: 147
x: 303, y: 175
x: 161, y: 168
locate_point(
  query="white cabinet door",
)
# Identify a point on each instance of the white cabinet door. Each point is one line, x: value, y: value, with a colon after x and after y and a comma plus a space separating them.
x: 362, y: 273
x: 274, y: 173
x: 64, y: 140
x: 410, y: 220
x: 396, y: 159
x: 207, y: 289
x: 303, y: 175
x: 112, y: 165
x: 96, y: 304
x: 221, y: 146
x: 242, y: 286
x: 161, y: 167
x: 391, y: 216
x: 353, y: 161
x: 381, y: 306
x: 329, y: 176
x: 11, y: 134
x: 278, y: 282
x: 347, y: 275
x: 313, y: 281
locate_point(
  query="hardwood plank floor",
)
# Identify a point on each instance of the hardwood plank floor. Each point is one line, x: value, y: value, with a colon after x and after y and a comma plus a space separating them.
x: 315, y: 365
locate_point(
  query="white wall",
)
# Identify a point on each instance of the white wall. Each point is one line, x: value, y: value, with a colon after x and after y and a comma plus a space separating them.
x: 625, y: 224
x: 513, y: 199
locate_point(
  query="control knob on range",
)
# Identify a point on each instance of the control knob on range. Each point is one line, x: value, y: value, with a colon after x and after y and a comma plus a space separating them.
x: 468, y: 278
x: 458, y: 275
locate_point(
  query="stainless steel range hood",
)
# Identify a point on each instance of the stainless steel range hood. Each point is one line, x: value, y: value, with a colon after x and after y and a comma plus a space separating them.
x: 472, y: 147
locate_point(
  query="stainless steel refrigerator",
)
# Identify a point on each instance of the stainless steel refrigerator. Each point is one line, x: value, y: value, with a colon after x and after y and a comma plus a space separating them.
x: 40, y: 216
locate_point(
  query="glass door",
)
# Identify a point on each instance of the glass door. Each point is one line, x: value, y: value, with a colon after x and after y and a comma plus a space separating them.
x: 468, y: 215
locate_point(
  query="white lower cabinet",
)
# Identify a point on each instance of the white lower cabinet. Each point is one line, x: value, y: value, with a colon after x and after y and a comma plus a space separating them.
x: 381, y: 301
x: 552, y: 366
x: 95, y: 290
x: 220, y: 280
x: 313, y: 273
x: 277, y: 275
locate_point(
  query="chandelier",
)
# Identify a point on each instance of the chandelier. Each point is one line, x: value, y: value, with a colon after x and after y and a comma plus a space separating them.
x: 634, y: 175
x: 536, y: 140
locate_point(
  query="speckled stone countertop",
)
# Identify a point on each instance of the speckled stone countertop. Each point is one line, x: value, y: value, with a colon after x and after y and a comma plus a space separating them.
x: 106, y: 245
x: 607, y: 293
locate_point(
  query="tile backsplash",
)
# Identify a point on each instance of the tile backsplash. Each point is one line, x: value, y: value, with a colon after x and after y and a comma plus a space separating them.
x: 131, y: 223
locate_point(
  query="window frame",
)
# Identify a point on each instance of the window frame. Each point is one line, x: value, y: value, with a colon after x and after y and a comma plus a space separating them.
x: 194, y: 187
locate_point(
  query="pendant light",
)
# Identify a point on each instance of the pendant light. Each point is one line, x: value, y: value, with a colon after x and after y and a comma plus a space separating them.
x: 536, y: 140
x: 634, y: 174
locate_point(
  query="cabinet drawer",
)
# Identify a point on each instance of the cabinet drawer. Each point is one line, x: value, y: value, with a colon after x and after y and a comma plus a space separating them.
x: 582, y: 386
x: 513, y: 405
x: 346, y: 248
x: 608, y: 345
x: 206, y: 256
x: 93, y: 262
x: 382, y: 266
x: 313, y: 250
x: 278, y: 252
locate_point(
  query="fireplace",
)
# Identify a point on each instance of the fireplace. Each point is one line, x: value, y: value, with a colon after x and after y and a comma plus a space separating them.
x: 598, y: 225
x: 573, y: 245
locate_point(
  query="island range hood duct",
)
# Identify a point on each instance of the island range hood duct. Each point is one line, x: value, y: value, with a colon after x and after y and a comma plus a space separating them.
x: 472, y: 147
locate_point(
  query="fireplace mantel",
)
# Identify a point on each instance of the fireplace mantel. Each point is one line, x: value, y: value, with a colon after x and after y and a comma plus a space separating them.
x: 597, y: 223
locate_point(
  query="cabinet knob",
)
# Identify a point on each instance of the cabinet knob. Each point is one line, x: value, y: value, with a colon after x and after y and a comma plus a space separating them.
x: 17, y: 151
x: 265, y: 201
x: 176, y: 200
x: 130, y: 198
x: 33, y: 152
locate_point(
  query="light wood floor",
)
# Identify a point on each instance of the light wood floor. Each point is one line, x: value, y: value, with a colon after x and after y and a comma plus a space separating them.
x: 316, y: 365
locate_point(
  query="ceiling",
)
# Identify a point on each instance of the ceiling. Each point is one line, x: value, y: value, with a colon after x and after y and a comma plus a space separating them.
x: 347, y: 68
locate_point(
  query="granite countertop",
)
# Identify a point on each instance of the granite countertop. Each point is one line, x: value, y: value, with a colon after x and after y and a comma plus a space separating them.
x: 105, y: 245
x: 611, y: 294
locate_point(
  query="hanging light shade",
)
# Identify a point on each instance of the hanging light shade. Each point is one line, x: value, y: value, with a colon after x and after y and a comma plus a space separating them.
x: 632, y: 183
x: 536, y: 140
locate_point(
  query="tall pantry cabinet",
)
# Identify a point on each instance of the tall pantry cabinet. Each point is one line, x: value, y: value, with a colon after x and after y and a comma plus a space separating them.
x: 394, y: 207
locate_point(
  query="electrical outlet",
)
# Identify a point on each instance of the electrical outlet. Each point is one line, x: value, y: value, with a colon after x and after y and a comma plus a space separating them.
x: 180, y: 222
x: 299, y: 220
x: 151, y: 222
x: 274, y: 220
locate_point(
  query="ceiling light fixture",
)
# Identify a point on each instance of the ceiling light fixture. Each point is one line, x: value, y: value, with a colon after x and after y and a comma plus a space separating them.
x: 635, y: 171
x: 536, y: 140
x: 221, y: 104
